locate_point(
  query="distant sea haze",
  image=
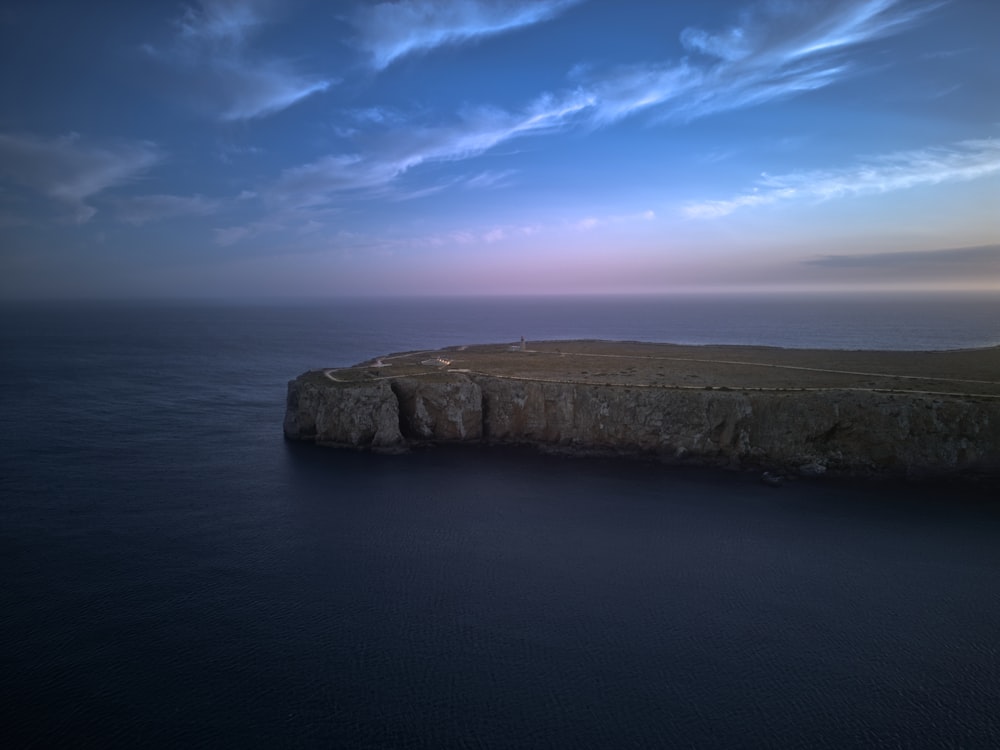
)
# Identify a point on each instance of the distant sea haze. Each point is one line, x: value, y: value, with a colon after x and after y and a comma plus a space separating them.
x: 862, y: 321
x: 174, y: 573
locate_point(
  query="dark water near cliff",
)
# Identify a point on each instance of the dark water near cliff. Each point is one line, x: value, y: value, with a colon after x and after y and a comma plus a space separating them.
x: 173, y: 573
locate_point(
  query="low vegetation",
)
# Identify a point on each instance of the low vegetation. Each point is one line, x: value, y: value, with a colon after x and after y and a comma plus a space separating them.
x: 639, y: 364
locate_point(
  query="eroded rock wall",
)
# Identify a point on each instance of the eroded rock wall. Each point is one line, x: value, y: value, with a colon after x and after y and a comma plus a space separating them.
x: 441, y: 411
x: 850, y: 432
x: 365, y: 415
x: 674, y: 423
x: 863, y: 432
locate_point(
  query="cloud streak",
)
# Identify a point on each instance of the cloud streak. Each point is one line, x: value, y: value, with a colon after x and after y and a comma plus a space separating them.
x: 211, y: 51
x: 981, y: 259
x: 390, y: 31
x: 588, y: 223
x: 148, y: 208
x: 399, y: 152
x: 968, y: 267
x: 777, y: 50
x: 902, y: 170
x: 71, y: 171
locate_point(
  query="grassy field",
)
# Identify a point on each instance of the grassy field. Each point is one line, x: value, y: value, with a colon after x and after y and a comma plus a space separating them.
x: 974, y: 372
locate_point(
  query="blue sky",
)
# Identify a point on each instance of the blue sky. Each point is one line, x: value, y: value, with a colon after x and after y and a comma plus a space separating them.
x: 253, y: 148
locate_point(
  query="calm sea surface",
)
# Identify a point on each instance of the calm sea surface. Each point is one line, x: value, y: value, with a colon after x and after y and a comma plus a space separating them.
x: 172, y: 573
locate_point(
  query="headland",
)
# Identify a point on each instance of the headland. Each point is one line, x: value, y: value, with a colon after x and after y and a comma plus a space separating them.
x: 792, y: 411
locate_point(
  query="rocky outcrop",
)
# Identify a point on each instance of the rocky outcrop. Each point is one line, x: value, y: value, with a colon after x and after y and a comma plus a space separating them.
x: 357, y: 415
x: 806, y: 432
x: 441, y: 411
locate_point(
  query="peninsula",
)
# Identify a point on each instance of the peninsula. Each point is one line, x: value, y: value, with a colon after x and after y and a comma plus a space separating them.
x: 793, y: 411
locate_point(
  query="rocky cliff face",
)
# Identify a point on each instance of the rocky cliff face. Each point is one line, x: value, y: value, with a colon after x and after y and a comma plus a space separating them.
x: 850, y: 432
x: 361, y: 415
x: 448, y: 411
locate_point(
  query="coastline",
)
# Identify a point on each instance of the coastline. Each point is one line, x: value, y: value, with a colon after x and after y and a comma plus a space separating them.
x: 793, y: 412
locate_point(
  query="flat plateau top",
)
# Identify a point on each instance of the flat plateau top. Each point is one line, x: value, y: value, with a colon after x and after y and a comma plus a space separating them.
x: 967, y: 372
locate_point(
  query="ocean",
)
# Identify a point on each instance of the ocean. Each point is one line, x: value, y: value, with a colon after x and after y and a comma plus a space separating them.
x: 175, y: 574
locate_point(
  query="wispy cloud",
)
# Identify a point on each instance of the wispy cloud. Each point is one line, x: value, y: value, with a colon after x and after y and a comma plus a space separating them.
x: 789, y: 31
x: 211, y: 49
x: 468, y: 236
x: 389, y: 31
x: 400, y: 151
x: 226, y: 236
x: 945, y: 54
x: 229, y: 153
x: 489, y: 179
x: 961, y: 267
x: 776, y: 50
x: 142, y: 209
x: 718, y: 155
x: 984, y: 258
x: 71, y: 170
x: 376, y: 115
x: 273, y: 219
x: 491, y: 234
x: 967, y: 160
x: 593, y: 222
x: 262, y: 88
x: 229, y: 21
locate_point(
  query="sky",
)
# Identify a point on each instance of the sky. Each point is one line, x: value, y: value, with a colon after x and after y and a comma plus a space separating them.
x: 249, y: 148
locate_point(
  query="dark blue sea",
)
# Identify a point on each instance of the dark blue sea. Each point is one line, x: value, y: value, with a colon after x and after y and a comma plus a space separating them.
x: 174, y: 574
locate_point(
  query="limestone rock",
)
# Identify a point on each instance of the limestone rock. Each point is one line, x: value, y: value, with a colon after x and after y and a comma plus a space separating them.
x: 812, y: 469
x: 442, y: 411
x: 364, y: 415
x: 807, y: 433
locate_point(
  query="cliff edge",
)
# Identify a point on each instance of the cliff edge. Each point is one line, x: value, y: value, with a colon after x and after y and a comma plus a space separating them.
x: 796, y: 411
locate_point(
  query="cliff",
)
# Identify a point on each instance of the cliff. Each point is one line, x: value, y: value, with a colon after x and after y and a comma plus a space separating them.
x: 808, y: 430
